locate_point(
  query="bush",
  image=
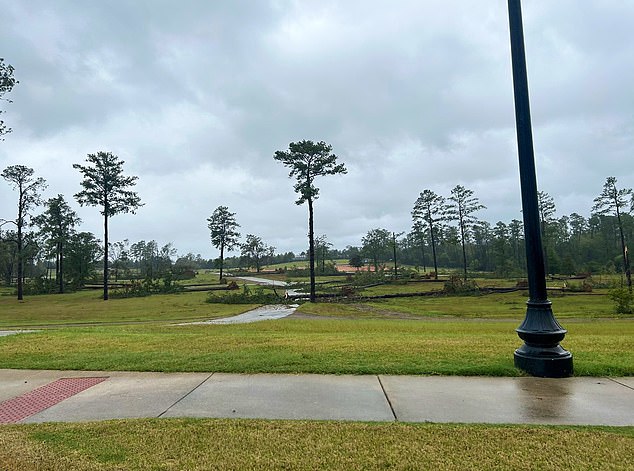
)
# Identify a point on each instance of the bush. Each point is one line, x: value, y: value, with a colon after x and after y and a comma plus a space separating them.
x: 147, y: 287
x: 247, y: 296
x: 365, y: 278
x: 42, y: 285
x: 623, y: 300
x: 457, y: 285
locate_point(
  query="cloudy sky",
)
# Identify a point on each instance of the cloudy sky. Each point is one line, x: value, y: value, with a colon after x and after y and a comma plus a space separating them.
x: 196, y: 96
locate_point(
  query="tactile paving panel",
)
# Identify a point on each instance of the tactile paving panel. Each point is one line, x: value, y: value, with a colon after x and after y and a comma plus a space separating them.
x: 21, y: 407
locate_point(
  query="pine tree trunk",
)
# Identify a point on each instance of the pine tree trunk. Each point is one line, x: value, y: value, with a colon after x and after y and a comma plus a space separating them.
x: 626, y: 259
x: 61, y: 268
x: 20, y: 263
x: 105, y: 254
x: 222, y: 250
x: 311, y: 250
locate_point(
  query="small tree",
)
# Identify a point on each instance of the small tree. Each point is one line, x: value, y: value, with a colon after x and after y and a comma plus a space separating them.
x: 21, y: 179
x: 82, y: 253
x: 322, y: 246
x: 614, y: 201
x: 254, y: 250
x: 224, y: 235
x: 376, y: 246
x: 57, y: 223
x: 105, y: 186
x: 308, y: 160
x: 463, y: 205
x: 7, y: 82
x: 356, y: 261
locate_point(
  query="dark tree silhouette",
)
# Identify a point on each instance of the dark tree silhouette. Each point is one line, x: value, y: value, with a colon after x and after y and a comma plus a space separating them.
x: 614, y: 201
x: 105, y: 186
x: 224, y: 236
x: 7, y: 82
x: 21, y: 179
x: 57, y: 224
x: 461, y: 210
x: 308, y: 160
x: 430, y: 208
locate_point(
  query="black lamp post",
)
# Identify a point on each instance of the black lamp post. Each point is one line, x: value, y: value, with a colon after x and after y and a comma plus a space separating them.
x: 541, y: 354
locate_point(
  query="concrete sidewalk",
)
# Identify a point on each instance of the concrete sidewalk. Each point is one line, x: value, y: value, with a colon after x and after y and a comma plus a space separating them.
x: 109, y: 395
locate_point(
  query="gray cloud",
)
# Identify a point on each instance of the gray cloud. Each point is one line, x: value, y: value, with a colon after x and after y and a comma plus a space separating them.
x: 197, y: 97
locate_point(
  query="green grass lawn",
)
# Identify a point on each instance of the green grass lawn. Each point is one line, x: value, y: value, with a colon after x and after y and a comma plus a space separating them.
x: 88, y: 307
x: 461, y: 335
x: 462, y: 347
x: 206, y: 444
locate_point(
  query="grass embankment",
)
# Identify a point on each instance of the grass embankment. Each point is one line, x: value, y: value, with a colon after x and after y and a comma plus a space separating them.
x: 197, y: 444
x: 88, y: 307
x: 315, y: 346
x: 490, y: 306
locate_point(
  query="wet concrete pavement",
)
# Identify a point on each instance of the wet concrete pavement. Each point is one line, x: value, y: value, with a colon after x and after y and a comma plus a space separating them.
x: 583, y: 400
x: 263, y: 313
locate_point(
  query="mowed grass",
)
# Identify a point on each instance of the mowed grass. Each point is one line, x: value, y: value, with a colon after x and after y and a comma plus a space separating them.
x: 316, y: 346
x: 207, y: 444
x: 88, y: 307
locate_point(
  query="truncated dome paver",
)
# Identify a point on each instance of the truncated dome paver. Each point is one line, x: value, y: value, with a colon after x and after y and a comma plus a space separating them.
x: 30, y: 403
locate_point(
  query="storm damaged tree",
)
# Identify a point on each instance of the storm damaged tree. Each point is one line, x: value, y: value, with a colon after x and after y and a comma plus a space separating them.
x: 105, y: 186
x: 307, y: 161
x: 613, y: 201
x: 28, y: 187
x: 7, y: 82
x: 224, y: 236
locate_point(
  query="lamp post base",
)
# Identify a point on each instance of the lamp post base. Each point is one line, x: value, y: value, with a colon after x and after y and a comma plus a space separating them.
x: 544, y: 362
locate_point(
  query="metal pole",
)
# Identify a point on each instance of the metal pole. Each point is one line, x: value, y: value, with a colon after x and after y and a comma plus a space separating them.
x: 541, y: 354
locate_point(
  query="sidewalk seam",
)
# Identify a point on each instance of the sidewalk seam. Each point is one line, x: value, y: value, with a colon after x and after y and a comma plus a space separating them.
x: 194, y: 389
x: 621, y: 384
x: 387, y: 398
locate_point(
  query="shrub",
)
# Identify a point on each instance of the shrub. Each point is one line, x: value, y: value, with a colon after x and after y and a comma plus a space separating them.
x: 623, y: 300
x: 147, y: 287
x: 457, y: 285
x: 247, y: 296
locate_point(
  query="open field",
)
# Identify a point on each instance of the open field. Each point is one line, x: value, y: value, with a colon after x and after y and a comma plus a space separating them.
x: 490, y: 306
x: 88, y: 307
x: 305, y: 445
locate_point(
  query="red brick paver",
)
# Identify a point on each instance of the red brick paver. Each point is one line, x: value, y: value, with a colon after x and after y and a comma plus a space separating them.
x: 21, y: 407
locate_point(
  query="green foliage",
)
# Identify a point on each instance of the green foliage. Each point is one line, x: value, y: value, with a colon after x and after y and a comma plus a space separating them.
x: 22, y: 179
x: 223, y: 231
x: 366, y: 278
x: 41, y: 285
x: 458, y: 286
x: 105, y: 186
x: 258, y: 295
x: 623, y: 300
x: 148, y: 287
x: 7, y: 82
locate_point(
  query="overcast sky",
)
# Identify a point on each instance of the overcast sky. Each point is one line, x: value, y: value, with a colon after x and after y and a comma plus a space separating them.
x: 196, y: 96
